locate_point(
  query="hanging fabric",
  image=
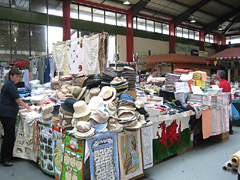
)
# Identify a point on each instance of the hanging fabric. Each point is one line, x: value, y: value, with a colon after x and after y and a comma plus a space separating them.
x: 75, y: 57
x: 90, y: 50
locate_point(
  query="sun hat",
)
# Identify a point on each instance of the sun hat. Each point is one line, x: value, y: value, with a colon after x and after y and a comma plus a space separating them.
x: 64, y: 115
x: 118, y: 81
x: 125, y: 116
x: 128, y: 107
x: 46, y: 111
x: 126, y: 97
x: 69, y: 95
x: 56, y: 109
x: 68, y: 104
x: 75, y: 91
x: 61, y: 110
x: 134, y: 126
x: 139, y: 104
x: 84, y: 130
x: 91, y: 93
x: 142, y: 120
x: 82, y: 93
x: 112, y: 109
x: 96, y: 102
x: 99, y: 116
x: 81, y: 109
x: 108, y: 94
x: 113, y: 125
x: 121, y: 111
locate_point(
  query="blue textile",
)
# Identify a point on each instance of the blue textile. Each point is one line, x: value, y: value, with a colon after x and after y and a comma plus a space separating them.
x: 104, y: 156
x: 9, y: 95
x: 126, y: 97
x: 47, y: 71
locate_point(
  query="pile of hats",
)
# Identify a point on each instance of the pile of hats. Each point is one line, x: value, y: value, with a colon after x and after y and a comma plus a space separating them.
x: 66, y: 111
x: 129, y: 74
x: 120, y: 84
x: 126, y: 113
x: 107, y: 77
x: 46, y: 109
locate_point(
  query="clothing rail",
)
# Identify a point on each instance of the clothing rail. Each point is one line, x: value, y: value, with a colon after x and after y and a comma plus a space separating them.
x: 40, y: 56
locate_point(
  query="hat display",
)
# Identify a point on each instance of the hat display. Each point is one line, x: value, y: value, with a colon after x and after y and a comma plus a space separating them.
x: 130, y: 75
x: 127, y: 115
x: 120, y: 84
x: 84, y: 130
x: 98, y: 116
x: 91, y: 93
x: 108, y: 94
x: 113, y: 125
x: 118, y: 81
x: 68, y: 104
x: 81, y: 109
x: 96, y: 102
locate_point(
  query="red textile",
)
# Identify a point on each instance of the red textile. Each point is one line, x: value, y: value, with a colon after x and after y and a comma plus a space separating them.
x: 225, y: 85
x: 20, y: 64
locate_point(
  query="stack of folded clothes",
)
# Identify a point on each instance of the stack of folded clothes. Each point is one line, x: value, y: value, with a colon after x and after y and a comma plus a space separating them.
x: 170, y: 80
x: 130, y: 75
x: 107, y: 77
x: 120, y: 84
x: 24, y: 92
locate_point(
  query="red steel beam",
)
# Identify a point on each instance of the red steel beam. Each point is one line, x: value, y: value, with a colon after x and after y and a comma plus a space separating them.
x: 172, y: 38
x: 130, y: 36
x: 66, y: 21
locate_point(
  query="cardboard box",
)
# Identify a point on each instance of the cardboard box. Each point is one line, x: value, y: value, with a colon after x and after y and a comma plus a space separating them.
x: 133, y: 94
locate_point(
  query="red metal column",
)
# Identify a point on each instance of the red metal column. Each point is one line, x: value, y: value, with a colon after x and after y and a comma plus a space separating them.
x: 223, y: 41
x: 172, y: 38
x: 202, y: 41
x: 215, y: 39
x: 66, y: 20
x: 129, y: 36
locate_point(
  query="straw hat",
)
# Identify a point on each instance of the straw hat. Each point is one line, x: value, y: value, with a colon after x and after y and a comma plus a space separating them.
x: 127, y: 107
x: 134, y: 126
x: 91, y: 93
x: 84, y: 130
x: 142, y: 119
x: 81, y: 109
x: 112, y: 109
x: 46, y: 111
x: 96, y: 102
x: 108, y: 94
x: 139, y: 104
x: 117, y: 81
x: 98, y: 116
x: 113, y: 125
x: 125, y: 116
x: 75, y: 91
x: 81, y: 93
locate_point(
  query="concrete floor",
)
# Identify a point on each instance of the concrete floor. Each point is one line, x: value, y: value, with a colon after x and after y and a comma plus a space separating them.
x: 204, y: 162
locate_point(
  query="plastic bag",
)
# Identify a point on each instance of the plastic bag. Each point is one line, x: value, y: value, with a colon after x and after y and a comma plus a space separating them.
x: 235, y: 113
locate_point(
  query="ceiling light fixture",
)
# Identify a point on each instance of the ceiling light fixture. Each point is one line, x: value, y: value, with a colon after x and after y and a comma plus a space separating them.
x: 193, y: 21
x: 14, y: 4
x: 220, y: 28
x: 126, y: 2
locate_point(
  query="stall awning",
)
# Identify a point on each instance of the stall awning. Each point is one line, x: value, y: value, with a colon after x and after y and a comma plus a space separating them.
x: 174, y: 58
x: 227, y: 54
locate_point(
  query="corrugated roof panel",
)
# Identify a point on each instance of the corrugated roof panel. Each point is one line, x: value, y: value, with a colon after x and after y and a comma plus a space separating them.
x: 216, y: 8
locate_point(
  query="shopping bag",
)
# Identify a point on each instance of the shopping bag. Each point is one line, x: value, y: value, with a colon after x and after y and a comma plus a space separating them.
x: 235, y: 113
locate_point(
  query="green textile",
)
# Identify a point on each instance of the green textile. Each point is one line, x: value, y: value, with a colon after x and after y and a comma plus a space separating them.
x: 159, y: 153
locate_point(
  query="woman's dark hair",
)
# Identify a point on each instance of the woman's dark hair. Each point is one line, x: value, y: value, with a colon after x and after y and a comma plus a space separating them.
x: 13, y: 71
x: 154, y: 70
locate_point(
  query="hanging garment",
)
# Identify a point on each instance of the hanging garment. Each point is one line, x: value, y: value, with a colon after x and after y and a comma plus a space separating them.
x: 214, y: 121
x: 26, y: 78
x: 52, y: 67
x: 47, y: 70
x: 111, y: 50
x: 75, y: 57
x: 207, y: 123
x: 34, y: 68
x: 41, y: 69
x: 102, y: 50
x: 90, y: 51
x: 60, y: 56
x: 218, y: 126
